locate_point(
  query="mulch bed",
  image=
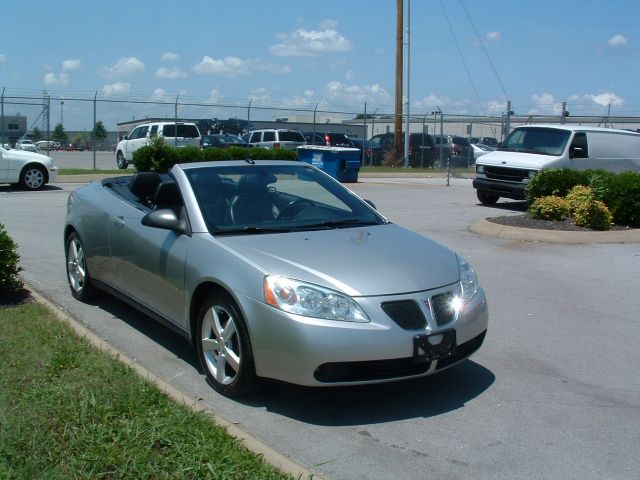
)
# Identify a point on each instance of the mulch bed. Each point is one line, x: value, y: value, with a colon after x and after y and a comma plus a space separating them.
x: 525, y: 221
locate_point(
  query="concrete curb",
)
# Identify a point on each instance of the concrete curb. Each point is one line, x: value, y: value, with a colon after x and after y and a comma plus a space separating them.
x: 490, y: 229
x: 271, y: 456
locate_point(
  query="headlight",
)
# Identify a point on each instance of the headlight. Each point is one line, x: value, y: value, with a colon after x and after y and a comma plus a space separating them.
x: 310, y: 300
x: 479, y: 168
x: 468, y: 280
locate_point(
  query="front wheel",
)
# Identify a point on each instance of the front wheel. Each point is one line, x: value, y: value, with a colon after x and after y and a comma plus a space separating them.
x: 224, y: 348
x: 33, y: 177
x: 77, y: 272
x: 487, y: 198
x: 122, y: 163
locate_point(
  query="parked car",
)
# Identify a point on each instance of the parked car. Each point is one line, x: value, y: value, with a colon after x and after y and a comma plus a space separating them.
x: 47, y: 145
x: 175, y: 134
x: 443, y: 149
x: 26, y: 145
x: 31, y: 171
x: 275, y: 138
x: 422, y: 151
x: 373, y: 154
x: 328, y: 139
x: 71, y: 147
x: 223, y: 140
x: 488, y: 141
x: 506, y: 172
x: 273, y: 269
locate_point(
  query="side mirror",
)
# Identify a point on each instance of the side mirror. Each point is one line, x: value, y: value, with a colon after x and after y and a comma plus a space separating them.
x: 166, y: 219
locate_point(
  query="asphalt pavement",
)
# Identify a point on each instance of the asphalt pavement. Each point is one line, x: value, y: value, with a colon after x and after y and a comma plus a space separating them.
x: 553, y: 393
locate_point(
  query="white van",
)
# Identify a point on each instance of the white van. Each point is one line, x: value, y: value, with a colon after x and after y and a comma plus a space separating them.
x: 175, y: 134
x: 506, y: 171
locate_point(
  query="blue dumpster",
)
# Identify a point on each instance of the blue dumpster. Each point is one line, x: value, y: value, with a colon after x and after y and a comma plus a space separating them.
x: 341, y: 163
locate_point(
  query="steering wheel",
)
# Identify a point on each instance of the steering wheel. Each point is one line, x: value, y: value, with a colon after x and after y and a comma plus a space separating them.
x: 288, y: 212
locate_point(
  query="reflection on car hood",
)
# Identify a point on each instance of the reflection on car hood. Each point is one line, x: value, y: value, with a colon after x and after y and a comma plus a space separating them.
x: 364, y: 261
x: 26, y: 155
x: 531, y: 161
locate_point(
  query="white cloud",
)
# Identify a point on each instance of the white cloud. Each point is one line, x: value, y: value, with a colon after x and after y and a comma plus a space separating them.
x: 2, y: 58
x: 495, y: 107
x: 260, y: 95
x: 617, y: 41
x: 304, y: 100
x: 492, y: 37
x: 159, y: 94
x: 271, y: 68
x: 303, y: 42
x: 349, y: 75
x: 433, y: 101
x: 170, y: 57
x: 71, y: 65
x: 340, y: 93
x: 545, y: 104
x: 123, y: 68
x: 214, y: 95
x: 170, y: 73
x: 53, y: 79
x: 116, y: 88
x: 228, y: 66
x: 602, y: 99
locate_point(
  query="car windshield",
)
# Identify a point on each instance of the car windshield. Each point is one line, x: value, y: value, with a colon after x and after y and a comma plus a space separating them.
x: 250, y: 199
x: 545, y: 141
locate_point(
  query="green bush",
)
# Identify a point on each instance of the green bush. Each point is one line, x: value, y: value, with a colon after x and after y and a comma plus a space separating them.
x: 592, y: 214
x: 623, y: 199
x: 160, y: 157
x: 554, y: 181
x: 9, y: 280
x: 551, y: 207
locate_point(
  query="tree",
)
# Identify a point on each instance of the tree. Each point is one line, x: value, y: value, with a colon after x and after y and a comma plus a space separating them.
x: 59, y: 135
x: 99, y: 132
x: 36, y: 134
x: 82, y: 138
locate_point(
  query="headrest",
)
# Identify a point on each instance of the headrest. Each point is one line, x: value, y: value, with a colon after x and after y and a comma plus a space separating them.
x: 144, y: 184
x: 255, y: 184
x: 167, y: 193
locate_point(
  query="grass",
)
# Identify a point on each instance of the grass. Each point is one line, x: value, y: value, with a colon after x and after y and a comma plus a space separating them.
x: 68, y: 410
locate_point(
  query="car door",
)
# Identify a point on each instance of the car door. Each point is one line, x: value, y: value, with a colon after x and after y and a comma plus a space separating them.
x: 148, y: 263
x: 4, y: 165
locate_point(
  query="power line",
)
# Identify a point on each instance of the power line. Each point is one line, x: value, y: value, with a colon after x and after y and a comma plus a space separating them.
x: 484, y: 49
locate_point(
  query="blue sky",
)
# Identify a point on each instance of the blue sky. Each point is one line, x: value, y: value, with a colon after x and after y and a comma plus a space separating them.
x: 337, y: 54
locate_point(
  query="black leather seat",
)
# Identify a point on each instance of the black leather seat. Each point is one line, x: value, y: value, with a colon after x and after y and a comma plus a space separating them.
x: 143, y: 185
x: 252, y: 202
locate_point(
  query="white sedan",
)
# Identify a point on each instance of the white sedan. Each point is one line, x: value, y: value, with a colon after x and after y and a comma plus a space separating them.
x: 26, y: 145
x: 31, y: 171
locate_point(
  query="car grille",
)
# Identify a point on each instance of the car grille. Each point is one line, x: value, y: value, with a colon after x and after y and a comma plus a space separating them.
x: 443, y: 311
x: 506, y: 174
x: 395, y: 368
x: 406, y: 313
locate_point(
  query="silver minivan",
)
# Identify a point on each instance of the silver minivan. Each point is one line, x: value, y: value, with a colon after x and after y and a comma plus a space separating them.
x: 275, y: 138
x: 506, y: 172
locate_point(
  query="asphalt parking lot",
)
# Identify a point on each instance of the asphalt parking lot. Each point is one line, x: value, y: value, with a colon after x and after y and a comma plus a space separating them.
x: 553, y: 393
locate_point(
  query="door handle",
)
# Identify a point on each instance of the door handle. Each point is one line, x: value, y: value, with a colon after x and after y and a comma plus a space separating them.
x: 118, y: 221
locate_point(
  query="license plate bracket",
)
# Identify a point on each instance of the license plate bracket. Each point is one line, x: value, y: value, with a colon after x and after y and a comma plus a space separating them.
x: 427, y: 348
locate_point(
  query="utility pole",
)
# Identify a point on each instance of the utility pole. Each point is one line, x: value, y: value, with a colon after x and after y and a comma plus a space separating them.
x: 397, y: 129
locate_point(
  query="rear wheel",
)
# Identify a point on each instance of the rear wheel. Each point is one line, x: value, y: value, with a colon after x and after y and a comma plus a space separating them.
x: 487, y: 198
x: 77, y: 272
x: 33, y: 177
x: 122, y: 163
x: 224, y: 348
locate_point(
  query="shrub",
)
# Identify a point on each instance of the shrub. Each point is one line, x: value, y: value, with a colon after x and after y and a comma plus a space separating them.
x: 578, y: 196
x: 592, y: 214
x: 551, y: 207
x: 160, y: 157
x: 9, y: 280
x: 623, y: 199
x: 554, y: 181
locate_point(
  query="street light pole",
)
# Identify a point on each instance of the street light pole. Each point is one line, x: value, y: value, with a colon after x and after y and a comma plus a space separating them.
x: 62, y: 112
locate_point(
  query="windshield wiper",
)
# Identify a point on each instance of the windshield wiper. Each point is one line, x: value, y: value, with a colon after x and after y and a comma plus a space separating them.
x: 251, y: 230
x: 350, y: 222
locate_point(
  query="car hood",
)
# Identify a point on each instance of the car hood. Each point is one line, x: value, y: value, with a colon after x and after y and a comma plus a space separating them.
x: 532, y: 161
x: 365, y: 261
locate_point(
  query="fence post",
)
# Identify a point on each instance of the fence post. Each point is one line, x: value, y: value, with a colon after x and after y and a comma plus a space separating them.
x: 2, y: 119
x: 249, y: 114
x: 364, y: 134
x: 94, y: 129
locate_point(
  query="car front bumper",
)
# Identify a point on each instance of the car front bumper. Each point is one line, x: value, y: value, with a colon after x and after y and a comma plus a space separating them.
x: 314, y: 352
x: 515, y: 191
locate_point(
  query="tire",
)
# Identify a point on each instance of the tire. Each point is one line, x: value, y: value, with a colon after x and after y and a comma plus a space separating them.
x: 33, y: 177
x: 228, y: 364
x: 77, y: 272
x: 487, y: 198
x: 122, y: 163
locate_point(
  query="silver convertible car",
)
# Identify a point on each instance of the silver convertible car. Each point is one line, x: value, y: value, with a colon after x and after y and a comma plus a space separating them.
x: 273, y: 269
